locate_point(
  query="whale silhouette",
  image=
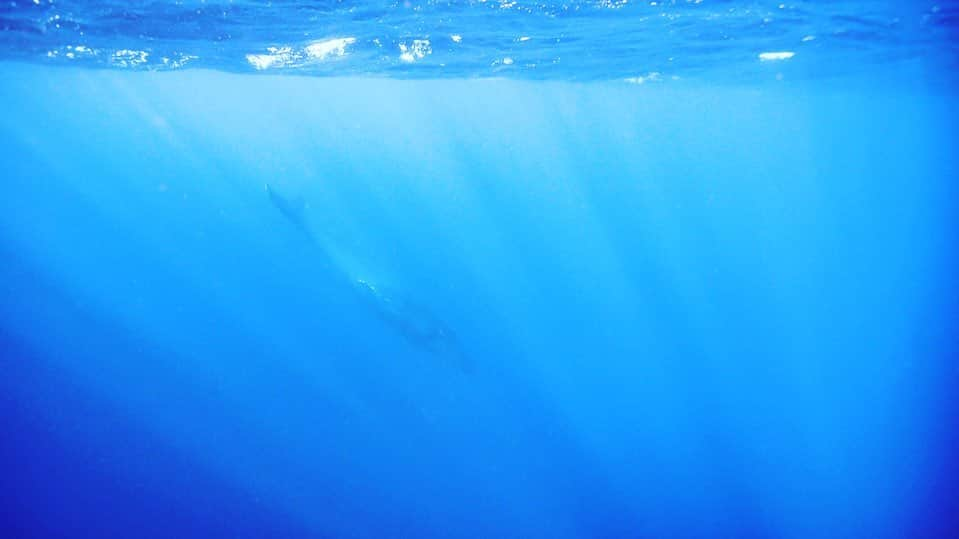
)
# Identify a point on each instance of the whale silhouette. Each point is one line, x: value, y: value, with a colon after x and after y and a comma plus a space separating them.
x: 416, y: 323
x: 293, y: 210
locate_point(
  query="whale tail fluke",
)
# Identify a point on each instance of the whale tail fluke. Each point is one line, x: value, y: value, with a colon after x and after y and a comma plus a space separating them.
x: 294, y: 209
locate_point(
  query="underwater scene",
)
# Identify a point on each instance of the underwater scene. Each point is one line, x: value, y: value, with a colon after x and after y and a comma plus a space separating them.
x: 479, y: 269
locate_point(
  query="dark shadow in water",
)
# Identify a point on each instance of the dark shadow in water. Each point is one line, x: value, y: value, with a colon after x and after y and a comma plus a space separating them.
x: 411, y: 319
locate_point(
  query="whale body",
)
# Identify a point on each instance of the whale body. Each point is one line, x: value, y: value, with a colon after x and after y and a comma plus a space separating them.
x: 417, y: 324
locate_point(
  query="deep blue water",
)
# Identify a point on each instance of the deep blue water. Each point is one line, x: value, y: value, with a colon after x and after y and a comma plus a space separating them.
x: 323, y: 269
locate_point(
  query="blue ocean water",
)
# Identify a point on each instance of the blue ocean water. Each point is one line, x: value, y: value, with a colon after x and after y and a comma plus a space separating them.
x: 604, y: 269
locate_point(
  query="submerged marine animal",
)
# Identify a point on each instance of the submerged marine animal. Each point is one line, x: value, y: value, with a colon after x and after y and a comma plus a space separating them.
x: 293, y: 210
x: 416, y: 323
